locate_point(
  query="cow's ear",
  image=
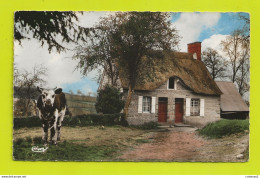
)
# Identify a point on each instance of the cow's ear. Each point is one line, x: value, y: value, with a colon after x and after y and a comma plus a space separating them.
x: 58, y: 91
x: 39, y: 89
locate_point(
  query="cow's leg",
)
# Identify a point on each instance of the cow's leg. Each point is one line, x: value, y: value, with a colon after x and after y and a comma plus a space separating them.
x: 45, y: 132
x: 44, y: 127
x: 54, y: 128
x: 60, y: 123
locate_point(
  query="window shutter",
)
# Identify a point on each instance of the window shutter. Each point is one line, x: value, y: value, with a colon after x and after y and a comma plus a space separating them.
x: 202, y: 104
x: 187, y: 106
x: 140, y: 104
x: 153, y: 104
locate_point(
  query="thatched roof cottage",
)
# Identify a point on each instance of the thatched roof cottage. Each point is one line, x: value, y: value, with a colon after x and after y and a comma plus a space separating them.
x: 181, y: 92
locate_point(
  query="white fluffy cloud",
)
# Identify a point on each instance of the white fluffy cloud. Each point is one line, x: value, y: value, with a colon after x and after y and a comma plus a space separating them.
x: 60, y: 66
x: 191, y: 24
x: 86, y: 89
x: 214, y: 43
x: 89, y: 19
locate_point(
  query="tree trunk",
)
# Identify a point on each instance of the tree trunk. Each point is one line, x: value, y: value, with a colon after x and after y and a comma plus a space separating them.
x: 128, y: 100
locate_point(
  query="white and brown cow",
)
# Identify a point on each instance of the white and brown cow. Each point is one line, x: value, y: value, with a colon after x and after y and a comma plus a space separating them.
x: 51, y: 106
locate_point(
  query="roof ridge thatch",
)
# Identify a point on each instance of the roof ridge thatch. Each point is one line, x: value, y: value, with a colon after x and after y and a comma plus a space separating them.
x: 193, y: 73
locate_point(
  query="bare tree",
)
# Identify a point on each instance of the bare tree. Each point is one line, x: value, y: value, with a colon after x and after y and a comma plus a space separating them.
x: 89, y: 93
x: 71, y: 92
x: 242, y: 79
x: 25, y: 86
x: 237, y: 49
x: 215, y: 63
x: 246, y: 27
x: 79, y: 92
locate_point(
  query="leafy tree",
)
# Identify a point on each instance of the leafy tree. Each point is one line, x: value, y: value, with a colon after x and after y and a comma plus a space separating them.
x: 95, y: 54
x: 131, y: 42
x: 138, y: 40
x: 50, y: 27
x: 215, y: 63
x: 109, y: 100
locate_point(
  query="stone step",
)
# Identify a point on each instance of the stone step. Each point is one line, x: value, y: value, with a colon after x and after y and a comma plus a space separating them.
x: 181, y: 125
x: 164, y: 126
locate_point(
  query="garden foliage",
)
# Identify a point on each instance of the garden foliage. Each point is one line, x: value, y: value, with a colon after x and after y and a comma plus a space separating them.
x: 81, y: 120
x: 109, y: 101
x: 224, y: 127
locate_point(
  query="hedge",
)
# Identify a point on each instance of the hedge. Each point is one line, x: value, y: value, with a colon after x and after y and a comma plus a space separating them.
x: 20, y: 122
x: 81, y: 120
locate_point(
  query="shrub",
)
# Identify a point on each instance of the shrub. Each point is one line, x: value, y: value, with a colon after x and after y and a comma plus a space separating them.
x: 109, y: 101
x: 27, y: 122
x: 224, y: 127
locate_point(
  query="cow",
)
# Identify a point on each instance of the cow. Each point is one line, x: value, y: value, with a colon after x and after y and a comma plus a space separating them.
x: 51, y: 105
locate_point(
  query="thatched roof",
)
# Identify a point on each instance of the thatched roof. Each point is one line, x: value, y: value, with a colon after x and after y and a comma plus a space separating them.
x: 193, y: 74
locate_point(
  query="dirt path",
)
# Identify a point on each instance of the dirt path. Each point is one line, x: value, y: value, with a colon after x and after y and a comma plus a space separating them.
x: 171, y: 144
x: 183, y: 144
x: 228, y: 149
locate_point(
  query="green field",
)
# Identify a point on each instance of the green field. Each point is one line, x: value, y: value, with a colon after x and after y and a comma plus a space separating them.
x: 80, y: 105
x: 64, y: 151
x: 91, y: 143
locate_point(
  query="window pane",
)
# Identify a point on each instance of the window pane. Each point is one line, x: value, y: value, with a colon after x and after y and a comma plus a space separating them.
x: 195, y: 107
x: 146, y: 104
x: 171, y: 83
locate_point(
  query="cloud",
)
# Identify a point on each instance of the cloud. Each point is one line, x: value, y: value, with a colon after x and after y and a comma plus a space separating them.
x: 214, y: 43
x: 60, y: 66
x: 89, y: 19
x: 86, y: 89
x: 190, y: 25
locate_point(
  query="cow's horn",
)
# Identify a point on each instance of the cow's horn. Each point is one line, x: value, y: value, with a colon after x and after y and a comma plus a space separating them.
x: 55, y: 88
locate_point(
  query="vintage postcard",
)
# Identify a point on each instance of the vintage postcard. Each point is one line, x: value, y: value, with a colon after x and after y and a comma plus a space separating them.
x: 131, y: 86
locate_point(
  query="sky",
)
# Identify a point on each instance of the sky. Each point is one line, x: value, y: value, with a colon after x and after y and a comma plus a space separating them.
x: 208, y: 27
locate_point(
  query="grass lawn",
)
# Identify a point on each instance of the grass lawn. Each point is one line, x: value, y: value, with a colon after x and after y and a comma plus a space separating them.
x: 78, y: 144
x: 224, y: 127
x: 64, y: 151
x: 112, y: 143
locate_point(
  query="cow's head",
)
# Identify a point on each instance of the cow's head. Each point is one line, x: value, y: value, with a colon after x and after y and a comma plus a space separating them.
x: 48, y: 95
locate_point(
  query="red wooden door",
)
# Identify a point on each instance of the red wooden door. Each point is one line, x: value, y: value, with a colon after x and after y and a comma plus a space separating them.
x: 178, y: 112
x: 162, y: 112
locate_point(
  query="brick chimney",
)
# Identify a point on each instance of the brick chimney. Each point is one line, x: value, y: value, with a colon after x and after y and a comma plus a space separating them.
x: 195, y: 49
